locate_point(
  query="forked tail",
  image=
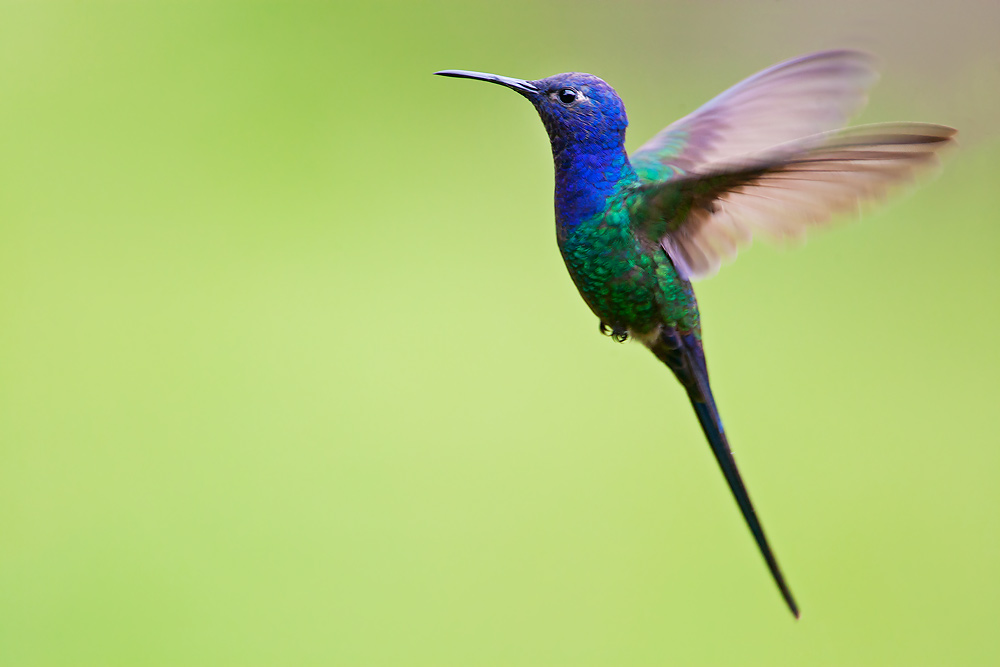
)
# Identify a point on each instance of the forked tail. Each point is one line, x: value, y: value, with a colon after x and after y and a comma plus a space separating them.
x: 684, y: 354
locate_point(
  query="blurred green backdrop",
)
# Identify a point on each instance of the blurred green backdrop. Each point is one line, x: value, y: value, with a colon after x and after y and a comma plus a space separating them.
x: 291, y: 371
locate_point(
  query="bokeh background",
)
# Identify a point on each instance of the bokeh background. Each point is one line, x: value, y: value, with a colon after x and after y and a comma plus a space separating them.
x: 291, y: 372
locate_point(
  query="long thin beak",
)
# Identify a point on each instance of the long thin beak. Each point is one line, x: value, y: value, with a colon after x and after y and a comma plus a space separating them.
x: 520, y: 85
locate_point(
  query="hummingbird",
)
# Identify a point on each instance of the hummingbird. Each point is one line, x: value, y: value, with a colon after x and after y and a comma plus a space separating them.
x: 767, y: 158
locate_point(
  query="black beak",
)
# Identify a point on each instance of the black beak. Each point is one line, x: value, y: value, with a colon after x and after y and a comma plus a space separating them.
x: 526, y: 88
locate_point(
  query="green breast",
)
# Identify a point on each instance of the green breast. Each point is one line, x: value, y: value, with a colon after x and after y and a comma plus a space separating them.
x: 627, y: 283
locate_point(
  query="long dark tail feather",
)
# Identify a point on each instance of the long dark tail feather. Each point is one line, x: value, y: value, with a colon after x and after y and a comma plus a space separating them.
x: 685, y: 357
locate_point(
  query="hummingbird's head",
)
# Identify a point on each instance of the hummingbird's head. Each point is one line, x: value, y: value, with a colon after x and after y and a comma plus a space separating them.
x: 576, y: 108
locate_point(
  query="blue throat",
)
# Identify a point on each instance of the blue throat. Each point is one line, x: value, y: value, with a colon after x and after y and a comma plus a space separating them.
x: 588, y: 175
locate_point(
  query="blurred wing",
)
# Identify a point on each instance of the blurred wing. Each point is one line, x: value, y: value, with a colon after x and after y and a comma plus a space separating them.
x: 781, y: 193
x: 794, y: 99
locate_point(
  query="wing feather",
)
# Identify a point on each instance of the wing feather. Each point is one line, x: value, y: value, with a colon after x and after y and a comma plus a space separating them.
x: 794, y: 99
x: 783, y: 192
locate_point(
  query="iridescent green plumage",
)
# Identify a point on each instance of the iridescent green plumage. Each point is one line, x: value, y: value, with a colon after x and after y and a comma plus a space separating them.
x: 627, y: 280
x: 762, y: 158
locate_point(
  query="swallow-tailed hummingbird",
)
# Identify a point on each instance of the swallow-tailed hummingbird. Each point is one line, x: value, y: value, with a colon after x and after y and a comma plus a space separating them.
x: 765, y: 158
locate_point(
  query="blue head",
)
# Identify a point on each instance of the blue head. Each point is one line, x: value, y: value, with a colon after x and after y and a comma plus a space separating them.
x: 586, y: 123
x: 580, y: 111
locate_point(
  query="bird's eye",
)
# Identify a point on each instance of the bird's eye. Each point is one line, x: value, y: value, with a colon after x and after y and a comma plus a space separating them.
x: 567, y: 95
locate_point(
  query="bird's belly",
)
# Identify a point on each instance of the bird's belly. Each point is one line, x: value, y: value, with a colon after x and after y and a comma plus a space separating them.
x: 615, y: 277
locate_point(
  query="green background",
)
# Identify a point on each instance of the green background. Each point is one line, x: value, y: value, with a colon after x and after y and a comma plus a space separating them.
x: 291, y: 371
